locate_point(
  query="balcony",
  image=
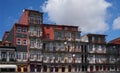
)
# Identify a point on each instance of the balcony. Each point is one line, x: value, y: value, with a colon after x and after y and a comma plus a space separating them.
x: 40, y: 59
x: 53, y: 60
x: 100, y: 50
x: 38, y: 46
x: 69, y: 39
x: 78, y: 60
x: 4, y: 60
x: 62, y: 61
x: 70, y: 60
x: 91, y: 60
x: 39, y: 35
x: 77, y: 40
x: 92, y: 50
x: 11, y: 59
x: 47, y: 60
x: 97, y: 61
x: 31, y: 34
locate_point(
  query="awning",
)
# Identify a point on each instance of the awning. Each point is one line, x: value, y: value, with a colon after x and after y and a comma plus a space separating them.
x: 7, y: 66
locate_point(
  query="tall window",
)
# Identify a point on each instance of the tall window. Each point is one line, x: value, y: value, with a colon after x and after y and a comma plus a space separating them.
x: 38, y: 20
x: 69, y: 35
x: 38, y: 43
x: 3, y: 55
x: 31, y: 55
x: 38, y: 31
x: 31, y: 19
x: 31, y: 43
x: 18, y: 41
x: 24, y: 56
x: 51, y: 46
x: 31, y: 31
x: 18, y: 55
x: 18, y: 29
x: 59, y: 35
x: 38, y: 55
x: 24, y: 42
x: 11, y: 55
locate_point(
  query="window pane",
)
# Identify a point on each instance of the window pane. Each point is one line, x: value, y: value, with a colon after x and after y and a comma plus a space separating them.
x: 24, y: 56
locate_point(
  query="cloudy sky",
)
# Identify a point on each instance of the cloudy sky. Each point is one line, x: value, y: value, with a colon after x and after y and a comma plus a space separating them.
x: 92, y: 16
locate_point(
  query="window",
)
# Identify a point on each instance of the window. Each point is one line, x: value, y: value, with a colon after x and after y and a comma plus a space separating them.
x: 38, y: 20
x: 24, y: 42
x: 31, y: 55
x: 47, y: 36
x: 38, y: 55
x: 18, y: 29
x: 24, y: 56
x: 51, y: 46
x: 31, y: 43
x: 31, y: 31
x: 31, y: 19
x: 77, y: 36
x: 38, y: 31
x: 69, y: 35
x: 24, y: 29
x: 3, y: 55
x: 38, y: 43
x: 18, y: 55
x: 11, y: 55
x: 18, y: 41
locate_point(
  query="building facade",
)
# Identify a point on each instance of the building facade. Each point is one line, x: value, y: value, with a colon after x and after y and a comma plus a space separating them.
x: 59, y: 48
x: 7, y: 58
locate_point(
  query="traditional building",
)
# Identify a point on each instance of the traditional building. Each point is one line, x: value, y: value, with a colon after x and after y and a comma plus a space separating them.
x: 7, y: 58
x: 101, y: 56
x: 58, y: 48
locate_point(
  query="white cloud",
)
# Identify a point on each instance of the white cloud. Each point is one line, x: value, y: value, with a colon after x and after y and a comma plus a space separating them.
x: 116, y: 23
x: 87, y: 14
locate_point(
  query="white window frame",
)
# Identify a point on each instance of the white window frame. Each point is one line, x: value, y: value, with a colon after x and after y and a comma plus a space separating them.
x: 38, y: 55
x: 31, y: 43
x: 31, y: 55
x: 24, y: 55
x: 31, y: 31
x: 18, y: 55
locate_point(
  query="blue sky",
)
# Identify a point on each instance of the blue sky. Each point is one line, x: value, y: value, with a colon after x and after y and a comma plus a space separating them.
x: 11, y: 10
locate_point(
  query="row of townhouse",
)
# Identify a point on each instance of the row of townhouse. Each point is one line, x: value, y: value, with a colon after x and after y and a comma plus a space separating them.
x: 31, y: 46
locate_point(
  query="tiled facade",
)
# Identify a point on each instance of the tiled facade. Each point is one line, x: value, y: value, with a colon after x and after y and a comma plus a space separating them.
x: 43, y: 47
